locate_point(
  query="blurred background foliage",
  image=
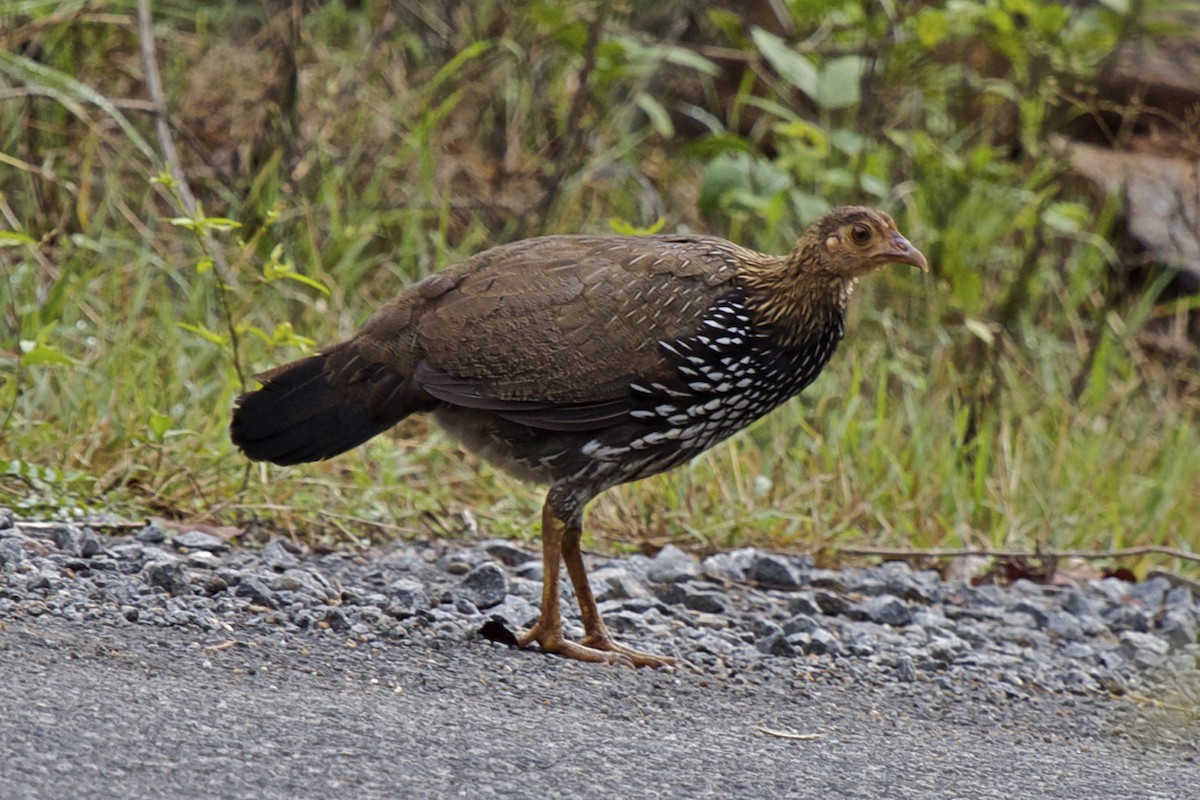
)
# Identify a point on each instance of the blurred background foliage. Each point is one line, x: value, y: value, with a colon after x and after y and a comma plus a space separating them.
x: 1039, y: 389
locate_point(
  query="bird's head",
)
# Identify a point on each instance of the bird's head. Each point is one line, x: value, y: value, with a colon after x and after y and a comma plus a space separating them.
x: 812, y: 285
x: 850, y: 241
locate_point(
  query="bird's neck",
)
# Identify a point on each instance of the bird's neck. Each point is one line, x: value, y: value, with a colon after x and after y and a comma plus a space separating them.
x: 794, y: 301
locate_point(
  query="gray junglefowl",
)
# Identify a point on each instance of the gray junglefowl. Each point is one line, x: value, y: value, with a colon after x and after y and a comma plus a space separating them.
x: 581, y: 362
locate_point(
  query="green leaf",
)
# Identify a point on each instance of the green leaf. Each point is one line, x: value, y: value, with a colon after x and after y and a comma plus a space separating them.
x: 307, y: 281
x: 629, y: 229
x: 683, y: 57
x: 15, y: 239
x: 203, y: 333
x: 160, y: 423
x: 660, y: 120
x: 37, y: 354
x: 1066, y: 217
x: 791, y: 66
x: 808, y: 136
x: 932, y: 27
x: 840, y: 82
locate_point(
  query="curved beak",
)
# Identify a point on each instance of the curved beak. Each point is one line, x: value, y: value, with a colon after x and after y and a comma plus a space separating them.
x: 900, y: 251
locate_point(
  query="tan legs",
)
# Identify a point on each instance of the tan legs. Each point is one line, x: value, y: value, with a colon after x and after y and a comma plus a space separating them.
x: 560, y: 540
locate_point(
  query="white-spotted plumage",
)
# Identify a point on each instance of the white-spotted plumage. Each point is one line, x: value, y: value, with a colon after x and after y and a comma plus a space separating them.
x: 728, y: 374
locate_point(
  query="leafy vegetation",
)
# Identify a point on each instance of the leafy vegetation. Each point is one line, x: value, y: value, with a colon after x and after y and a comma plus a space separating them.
x: 339, y: 151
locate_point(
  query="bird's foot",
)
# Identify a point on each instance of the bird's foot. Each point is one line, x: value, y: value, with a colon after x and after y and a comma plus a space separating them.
x: 596, y: 650
x: 603, y: 642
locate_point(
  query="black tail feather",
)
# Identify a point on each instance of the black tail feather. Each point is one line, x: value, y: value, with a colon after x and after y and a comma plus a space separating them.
x: 298, y: 416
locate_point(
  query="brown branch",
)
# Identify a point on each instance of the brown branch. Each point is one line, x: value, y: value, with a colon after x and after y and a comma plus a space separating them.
x: 950, y: 552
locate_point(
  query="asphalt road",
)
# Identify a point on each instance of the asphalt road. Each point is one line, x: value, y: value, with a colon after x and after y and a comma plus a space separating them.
x: 91, y: 710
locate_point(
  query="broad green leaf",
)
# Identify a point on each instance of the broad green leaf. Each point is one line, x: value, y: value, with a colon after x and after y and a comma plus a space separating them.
x: 37, y: 354
x: 840, y: 81
x: 791, y: 66
x: 160, y: 423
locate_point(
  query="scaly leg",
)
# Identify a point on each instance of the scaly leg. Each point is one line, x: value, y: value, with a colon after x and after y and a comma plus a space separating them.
x: 547, y: 631
x: 596, y: 635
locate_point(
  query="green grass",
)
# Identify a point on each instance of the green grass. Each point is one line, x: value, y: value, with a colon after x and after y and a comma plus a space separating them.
x: 1005, y: 401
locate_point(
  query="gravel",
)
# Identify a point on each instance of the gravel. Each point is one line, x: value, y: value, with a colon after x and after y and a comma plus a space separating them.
x: 733, y: 613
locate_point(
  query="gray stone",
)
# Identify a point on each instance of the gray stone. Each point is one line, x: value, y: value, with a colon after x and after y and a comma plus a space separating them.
x: 336, y: 620
x: 1114, y: 590
x: 945, y: 648
x: 516, y: 612
x: 885, y: 610
x: 1126, y: 618
x: 777, y: 645
x: 276, y: 556
x: 615, y: 583
x: 1079, y: 651
x: 829, y: 579
x: 253, y: 588
x: 1144, y: 649
x: 407, y: 598
x: 1150, y: 593
x: 672, y: 565
x: 6, y: 518
x: 151, y: 534
x: 1039, y: 614
x: 231, y: 576
x: 531, y: 570
x: 709, y: 602
x: 1180, y: 599
x: 507, y: 553
x: 820, y: 642
x: 830, y: 603
x: 1064, y: 625
x: 722, y: 567
x: 12, y: 554
x: 199, y: 540
x: 906, y: 671
x: 670, y: 593
x: 1179, y: 627
x: 202, y: 559
x: 457, y: 563
x: 313, y: 583
x: 801, y: 623
x: 765, y: 629
x: 1077, y: 603
x: 485, y: 586
x: 803, y: 603
x: 770, y: 570
x: 167, y: 575
x: 66, y: 538
x: 89, y: 543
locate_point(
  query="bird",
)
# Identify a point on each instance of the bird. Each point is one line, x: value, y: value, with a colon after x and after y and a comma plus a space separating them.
x: 581, y: 362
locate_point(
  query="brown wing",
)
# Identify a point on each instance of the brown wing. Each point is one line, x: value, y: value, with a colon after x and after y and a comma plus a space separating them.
x: 549, y: 332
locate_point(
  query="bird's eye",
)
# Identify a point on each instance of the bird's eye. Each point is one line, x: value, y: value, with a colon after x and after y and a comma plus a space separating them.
x: 860, y: 234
